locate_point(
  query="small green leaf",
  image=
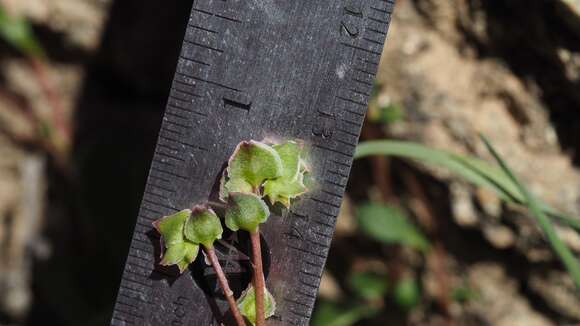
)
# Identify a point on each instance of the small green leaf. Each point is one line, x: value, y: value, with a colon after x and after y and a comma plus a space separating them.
x: 407, y: 293
x: 246, y: 212
x: 171, y: 227
x: 291, y: 183
x: 464, y: 293
x: 282, y: 191
x: 203, y: 226
x: 390, y: 225
x: 179, y: 251
x: 369, y: 285
x: 18, y: 33
x: 181, y: 254
x: 251, y: 164
x: 247, y: 304
x: 328, y: 313
x: 289, y: 153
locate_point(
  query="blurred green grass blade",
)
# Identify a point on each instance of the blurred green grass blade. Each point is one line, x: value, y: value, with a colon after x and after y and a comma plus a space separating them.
x: 328, y: 313
x: 562, y: 251
x: 474, y: 170
x: 18, y: 33
x: 390, y: 225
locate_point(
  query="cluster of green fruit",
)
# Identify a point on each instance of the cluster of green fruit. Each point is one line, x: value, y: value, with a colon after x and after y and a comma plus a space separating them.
x: 255, y: 171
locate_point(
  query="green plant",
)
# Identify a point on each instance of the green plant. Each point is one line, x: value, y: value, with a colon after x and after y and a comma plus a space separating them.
x: 255, y: 170
x: 368, y: 284
x: 183, y: 233
x: 464, y: 293
x: 407, y: 293
x: 330, y: 313
x: 499, y: 179
x: 54, y: 130
x: 474, y: 170
x: 389, y: 224
x: 17, y: 32
x: 562, y: 251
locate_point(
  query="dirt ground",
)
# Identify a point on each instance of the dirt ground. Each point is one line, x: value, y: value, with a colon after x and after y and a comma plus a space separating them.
x: 508, y: 69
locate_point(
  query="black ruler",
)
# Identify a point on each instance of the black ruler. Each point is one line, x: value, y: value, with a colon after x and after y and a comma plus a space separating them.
x: 250, y: 69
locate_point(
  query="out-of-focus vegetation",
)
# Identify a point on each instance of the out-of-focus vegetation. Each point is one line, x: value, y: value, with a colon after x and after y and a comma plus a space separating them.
x: 53, y: 128
x: 17, y: 31
x: 391, y: 225
x: 432, y: 231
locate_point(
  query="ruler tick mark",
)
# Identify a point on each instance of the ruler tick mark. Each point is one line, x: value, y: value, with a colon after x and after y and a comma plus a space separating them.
x: 151, y: 210
x: 123, y: 321
x: 373, y: 41
x: 354, y: 102
x: 297, y: 303
x: 376, y: 31
x: 359, y: 92
x: 205, y: 46
x: 207, y: 81
x: 194, y: 61
x: 159, y: 178
x: 309, y: 274
x: 172, y: 209
x: 380, y: 10
x: 356, y: 124
x: 216, y: 15
x: 362, y: 82
x: 173, y: 174
x: 331, y: 193
x: 172, y: 114
x: 132, y: 314
x: 183, y: 92
x: 173, y: 157
x: 202, y: 28
x: 348, y: 132
x: 331, y: 150
x: 364, y: 71
x: 126, y: 304
x: 328, y: 225
x: 361, y: 49
x: 378, y: 21
x: 334, y: 183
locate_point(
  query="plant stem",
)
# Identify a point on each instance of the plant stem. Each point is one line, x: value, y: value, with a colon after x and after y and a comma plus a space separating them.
x: 259, y: 283
x: 52, y: 97
x: 223, y: 281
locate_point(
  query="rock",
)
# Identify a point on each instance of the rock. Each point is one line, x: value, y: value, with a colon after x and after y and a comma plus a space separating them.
x: 345, y: 222
x: 81, y: 21
x: 570, y: 11
x: 499, y: 302
x: 499, y: 236
x: 557, y: 290
x: 329, y: 288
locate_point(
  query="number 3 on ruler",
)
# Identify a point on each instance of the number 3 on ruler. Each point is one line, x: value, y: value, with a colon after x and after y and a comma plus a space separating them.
x: 347, y: 26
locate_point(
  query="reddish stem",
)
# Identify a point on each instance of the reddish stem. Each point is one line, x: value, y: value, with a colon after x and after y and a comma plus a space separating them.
x: 223, y: 281
x: 259, y: 283
x: 52, y: 97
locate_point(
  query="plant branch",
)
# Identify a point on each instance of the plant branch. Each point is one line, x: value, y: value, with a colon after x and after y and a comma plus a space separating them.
x: 259, y: 283
x: 223, y: 281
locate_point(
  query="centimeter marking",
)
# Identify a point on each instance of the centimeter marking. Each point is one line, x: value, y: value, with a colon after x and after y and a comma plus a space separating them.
x: 251, y: 69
